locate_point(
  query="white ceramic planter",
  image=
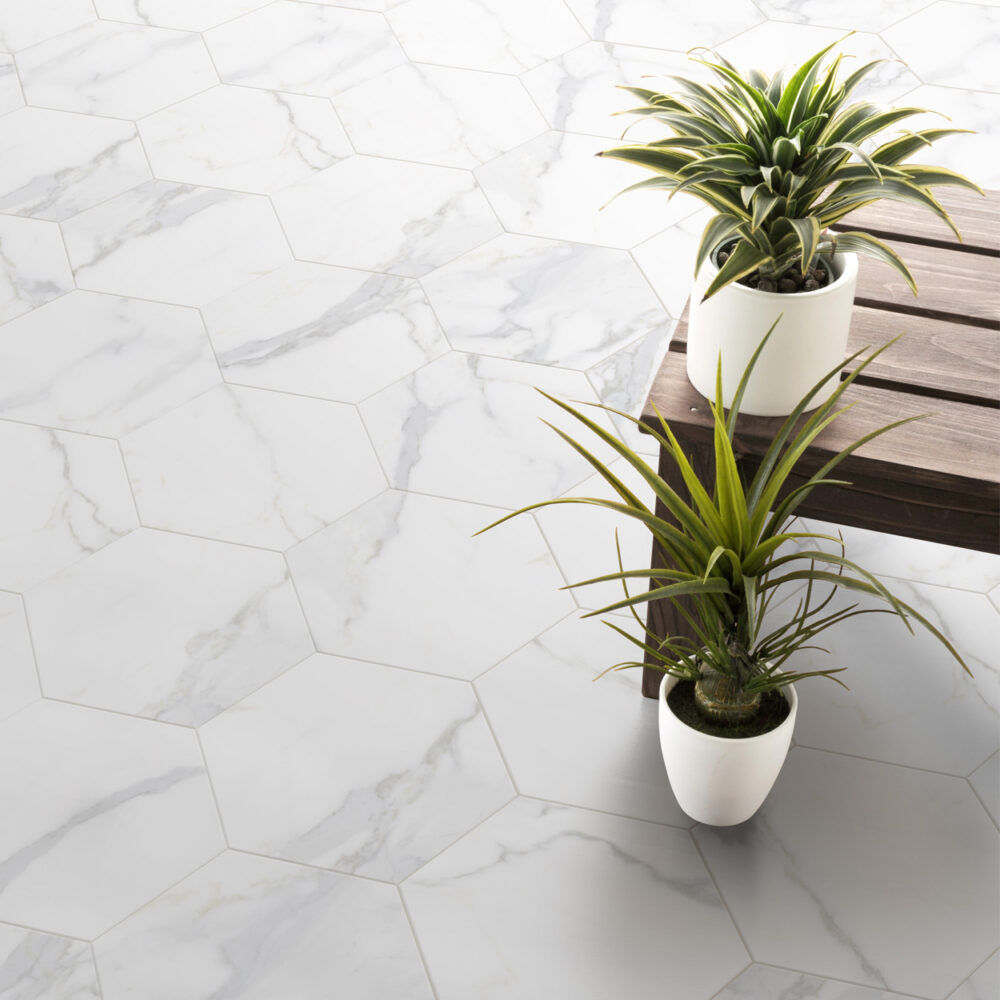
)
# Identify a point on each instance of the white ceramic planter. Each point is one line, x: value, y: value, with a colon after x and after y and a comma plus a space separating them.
x: 721, y: 781
x: 809, y: 340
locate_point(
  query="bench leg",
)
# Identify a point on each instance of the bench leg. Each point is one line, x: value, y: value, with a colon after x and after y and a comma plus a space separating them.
x: 662, y: 618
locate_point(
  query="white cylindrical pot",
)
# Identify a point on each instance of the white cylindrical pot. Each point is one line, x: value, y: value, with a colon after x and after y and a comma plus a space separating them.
x: 809, y: 340
x: 721, y: 781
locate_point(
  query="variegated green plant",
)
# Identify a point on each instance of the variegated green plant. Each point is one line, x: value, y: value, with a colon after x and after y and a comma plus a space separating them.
x: 780, y: 161
x: 730, y: 550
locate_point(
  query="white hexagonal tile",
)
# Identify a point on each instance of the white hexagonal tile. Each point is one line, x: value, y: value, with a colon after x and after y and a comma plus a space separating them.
x: 994, y: 596
x: 882, y: 875
x: 774, y: 44
x: 324, y: 331
x: 31, y: 961
x: 452, y: 117
x: 111, y: 811
x: 848, y: 15
x: 457, y: 604
x: 18, y: 679
x: 468, y: 427
x: 553, y: 186
x: 536, y: 300
x: 252, y: 466
x: 175, y: 243
x: 424, y: 768
x: 763, y: 981
x: 259, y: 929
x: 607, y: 753
x: 934, y: 42
x: 577, y: 92
x: 546, y: 900
x: 35, y: 266
x: 983, y: 984
x: 909, y: 702
x: 72, y: 499
x: 407, y: 218
x: 26, y: 22
x: 54, y: 164
x: 582, y: 537
x: 986, y: 781
x: 304, y: 48
x: 10, y: 87
x: 505, y: 36
x: 102, y: 364
x: 190, y: 15
x: 667, y: 259
x: 115, y: 69
x: 650, y: 22
x: 166, y: 626
x: 244, y: 139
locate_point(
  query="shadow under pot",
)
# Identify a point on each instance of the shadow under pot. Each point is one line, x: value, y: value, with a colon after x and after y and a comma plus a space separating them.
x: 809, y: 340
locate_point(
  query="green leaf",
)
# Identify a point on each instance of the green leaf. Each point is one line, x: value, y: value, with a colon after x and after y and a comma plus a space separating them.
x: 798, y: 82
x: 808, y: 233
x: 718, y: 229
x: 865, y: 243
x: 745, y: 259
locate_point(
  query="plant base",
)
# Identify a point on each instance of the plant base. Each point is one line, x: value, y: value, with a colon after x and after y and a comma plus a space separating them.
x: 772, y: 712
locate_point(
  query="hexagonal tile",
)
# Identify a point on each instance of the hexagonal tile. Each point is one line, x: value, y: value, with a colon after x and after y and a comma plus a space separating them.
x: 115, y: 69
x: 166, y: 626
x: 848, y: 15
x: 111, y: 811
x: 452, y: 117
x: 667, y: 259
x: 536, y: 300
x: 986, y: 782
x: 175, y: 243
x: 26, y: 22
x: 607, y: 754
x: 54, y: 164
x: 774, y: 44
x: 582, y: 537
x: 467, y: 427
x: 577, y: 91
x: 553, y: 186
x: 18, y: 679
x: 760, y: 981
x: 882, y: 875
x: 934, y: 41
x: 191, y: 15
x: 649, y: 22
x: 324, y: 331
x: 305, y: 933
x: 994, y: 596
x: 546, y: 900
x: 35, y: 266
x: 248, y: 465
x: 10, y: 87
x: 391, y: 216
x: 909, y: 702
x: 505, y: 36
x: 102, y: 364
x: 244, y: 139
x: 72, y: 499
x: 983, y: 984
x: 30, y: 960
x: 304, y: 48
x: 457, y: 604
x: 424, y: 770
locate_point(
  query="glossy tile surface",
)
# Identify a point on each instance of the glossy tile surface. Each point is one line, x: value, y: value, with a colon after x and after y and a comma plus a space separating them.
x: 279, y: 281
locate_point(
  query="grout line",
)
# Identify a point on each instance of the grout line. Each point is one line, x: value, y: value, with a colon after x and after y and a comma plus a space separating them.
x: 97, y: 971
x: 31, y: 646
x: 989, y: 957
x: 416, y: 941
x: 719, y: 992
x: 42, y: 930
x: 982, y: 802
x: 313, y: 866
x: 493, y: 736
x: 877, y: 760
x: 608, y: 812
x: 211, y: 788
x: 880, y: 988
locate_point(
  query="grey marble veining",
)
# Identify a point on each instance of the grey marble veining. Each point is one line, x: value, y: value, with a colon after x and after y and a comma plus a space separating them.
x: 35, y: 965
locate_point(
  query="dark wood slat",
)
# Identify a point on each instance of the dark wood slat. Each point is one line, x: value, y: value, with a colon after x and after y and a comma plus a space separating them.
x: 977, y: 218
x: 950, y: 285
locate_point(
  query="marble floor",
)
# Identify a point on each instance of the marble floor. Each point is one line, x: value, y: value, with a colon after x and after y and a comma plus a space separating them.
x: 278, y: 282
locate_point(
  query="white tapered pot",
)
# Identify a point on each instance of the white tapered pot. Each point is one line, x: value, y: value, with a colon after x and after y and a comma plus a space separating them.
x: 721, y: 781
x: 809, y: 340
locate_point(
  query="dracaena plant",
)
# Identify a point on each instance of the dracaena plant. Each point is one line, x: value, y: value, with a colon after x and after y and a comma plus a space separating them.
x: 781, y: 160
x: 730, y: 551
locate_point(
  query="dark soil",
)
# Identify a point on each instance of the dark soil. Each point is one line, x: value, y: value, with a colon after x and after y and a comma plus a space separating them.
x: 773, y: 711
x: 818, y: 276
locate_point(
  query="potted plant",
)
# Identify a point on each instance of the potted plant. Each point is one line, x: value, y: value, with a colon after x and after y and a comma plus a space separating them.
x: 779, y: 161
x: 727, y: 701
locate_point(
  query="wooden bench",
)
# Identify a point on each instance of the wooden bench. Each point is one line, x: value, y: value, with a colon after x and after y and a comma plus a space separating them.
x: 936, y: 479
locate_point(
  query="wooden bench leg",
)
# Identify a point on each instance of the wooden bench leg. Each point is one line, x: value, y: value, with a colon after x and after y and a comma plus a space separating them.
x: 662, y: 618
